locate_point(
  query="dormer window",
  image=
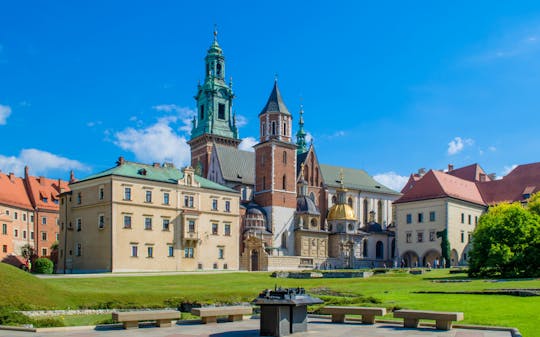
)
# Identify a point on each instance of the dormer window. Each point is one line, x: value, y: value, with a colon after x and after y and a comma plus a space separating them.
x: 142, y: 172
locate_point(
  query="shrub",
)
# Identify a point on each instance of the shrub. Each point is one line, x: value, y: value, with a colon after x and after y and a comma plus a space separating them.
x: 43, y: 266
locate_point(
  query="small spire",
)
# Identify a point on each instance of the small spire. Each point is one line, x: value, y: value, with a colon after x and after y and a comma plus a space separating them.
x: 275, y: 77
x: 230, y: 82
x: 341, y: 177
x: 215, y: 33
x: 301, y: 134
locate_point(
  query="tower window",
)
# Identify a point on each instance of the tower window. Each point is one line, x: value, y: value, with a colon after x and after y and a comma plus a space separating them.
x: 284, y: 157
x: 284, y: 182
x: 221, y: 111
x: 218, y: 67
x: 202, y: 112
x: 273, y: 128
x: 264, y: 183
x: 284, y: 129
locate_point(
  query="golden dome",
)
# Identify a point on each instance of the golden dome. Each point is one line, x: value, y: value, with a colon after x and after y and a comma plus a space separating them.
x: 341, y: 212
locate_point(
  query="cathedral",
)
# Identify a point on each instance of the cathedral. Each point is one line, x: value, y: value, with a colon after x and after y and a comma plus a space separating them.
x: 295, y: 212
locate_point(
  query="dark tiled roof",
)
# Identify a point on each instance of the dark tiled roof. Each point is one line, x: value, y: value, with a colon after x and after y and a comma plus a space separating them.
x: 304, y: 204
x: 275, y: 102
x: 236, y: 165
x: 523, y: 180
x: 470, y: 173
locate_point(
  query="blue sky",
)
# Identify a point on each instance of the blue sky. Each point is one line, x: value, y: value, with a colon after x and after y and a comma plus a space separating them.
x: 389, y: 87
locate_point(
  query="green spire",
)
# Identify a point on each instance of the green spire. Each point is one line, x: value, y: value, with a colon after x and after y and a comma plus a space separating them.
x: 214, y: 98
x: 301, y: 134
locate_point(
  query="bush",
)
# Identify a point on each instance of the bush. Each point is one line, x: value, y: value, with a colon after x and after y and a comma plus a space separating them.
x: 43, y: 266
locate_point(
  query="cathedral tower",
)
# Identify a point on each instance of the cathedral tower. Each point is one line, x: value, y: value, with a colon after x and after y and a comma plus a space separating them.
x: 275, y: 170
x: 214, y: 122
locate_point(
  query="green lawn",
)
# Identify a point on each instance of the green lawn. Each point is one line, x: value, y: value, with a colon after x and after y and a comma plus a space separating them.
x: 393, y: 290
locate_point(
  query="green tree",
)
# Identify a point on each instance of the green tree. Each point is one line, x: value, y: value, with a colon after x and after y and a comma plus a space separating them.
x: 506, y: 243
x: 43, y: 266
x: 534, y: 204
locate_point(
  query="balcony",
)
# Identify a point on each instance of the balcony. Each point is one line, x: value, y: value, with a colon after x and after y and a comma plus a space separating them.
x: 188, y: 235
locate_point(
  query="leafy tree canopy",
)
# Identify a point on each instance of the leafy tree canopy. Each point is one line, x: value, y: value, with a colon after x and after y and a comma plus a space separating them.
x: 506, y: 243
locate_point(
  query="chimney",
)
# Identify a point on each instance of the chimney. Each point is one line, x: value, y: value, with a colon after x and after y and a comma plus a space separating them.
x: 11, y: 177
x: 492, y: 176
x: 41, y: 180
x: 450, y: 167
x: 26, y: 172
x: 482, y: 177
x: 120, y: 161
x: 421, y: 171
x: 72, y: 177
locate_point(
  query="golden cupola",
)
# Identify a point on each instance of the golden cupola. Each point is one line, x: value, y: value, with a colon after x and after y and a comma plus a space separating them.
x: 341, y: 210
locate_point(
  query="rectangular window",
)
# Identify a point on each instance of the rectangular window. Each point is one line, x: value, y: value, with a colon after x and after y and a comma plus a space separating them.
x: 24, y: 216
x: 4, y: 229
x: 476, y: 220
x: 79, y: 224
x: 127, y: 193
x: 191, y: 226
x: 43, y: 236
x: 31, y: 235
x: 227, y: 229
x: 227, y: 206
x: 165, y: 224
x: 214, y: 229
x: 16, y: 232
x: 44, y: 220
x: 127, y: 221
x: 7, y: 212
x: 101, y: 193
x: 16, y: 215
x: 188, y: 201
x: 470, y: 219
x: 101, y: 221
x: 4, y: 248
x: 57, y: 236
x: 171, y: 250
x: 432, y: 236
x: 79, y: 198
x: 462, y: 236
x: 225, y: 266
x: 408, y: 237
x: 214, y: 204
x: 134, y: 251
x: 420, y: 236
x: 409, y: 218
x: 420, y: 217
x: 150, y: 250
x: 32, y: 218
x: 148, y: 223
x: 221, y: 111
x: 469, y: 236
x: 148, y: 197
x: 166, y: 198
x: 215, y: 266
x: 221, y: 252
x: 462, y: 217
x: 432, y: 216
x: 78, y: 250
x: 188, y: 252
x: 24, y: 234
x: 43, y: 251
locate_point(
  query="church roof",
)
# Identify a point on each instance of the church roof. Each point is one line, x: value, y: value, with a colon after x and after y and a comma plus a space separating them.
x: 354, y: 179
x: 304, y: 204
x: 470, y: 173
x: 275, y: 102
x: 165, y: 173
x: 236, y: 165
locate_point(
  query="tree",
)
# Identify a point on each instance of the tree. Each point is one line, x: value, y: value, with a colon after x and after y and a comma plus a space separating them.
x: 534, y: 204
x: 43, y: 266
x: 506, y: 243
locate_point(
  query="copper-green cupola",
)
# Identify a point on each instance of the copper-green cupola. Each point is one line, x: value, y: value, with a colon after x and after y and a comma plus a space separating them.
x: 301, y: 134
x: 214, y: 98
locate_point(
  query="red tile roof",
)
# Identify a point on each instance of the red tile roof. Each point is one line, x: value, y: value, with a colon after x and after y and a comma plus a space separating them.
x: 413, y: 178
x: 470, y: 173
x: 44, y: 192
x: 13, y: 192
x: 523, y: 180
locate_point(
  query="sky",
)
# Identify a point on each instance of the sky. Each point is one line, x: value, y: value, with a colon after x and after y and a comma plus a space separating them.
x: 386, y: 86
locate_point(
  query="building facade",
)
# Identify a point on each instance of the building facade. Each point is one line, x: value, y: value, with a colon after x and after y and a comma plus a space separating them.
x: 137, y: 217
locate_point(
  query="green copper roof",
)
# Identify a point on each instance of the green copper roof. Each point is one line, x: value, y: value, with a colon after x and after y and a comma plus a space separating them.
x: 165, y: 174
x: 236, y: 165
x: 275, y: 102
x: 301, y: 134
x: 353, y: 179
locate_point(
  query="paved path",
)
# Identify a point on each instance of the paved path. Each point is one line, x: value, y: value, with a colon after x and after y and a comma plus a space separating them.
x: 250, y: 328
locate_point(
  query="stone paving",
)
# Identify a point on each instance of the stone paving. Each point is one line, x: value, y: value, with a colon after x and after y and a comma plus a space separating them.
x: 250, y: 328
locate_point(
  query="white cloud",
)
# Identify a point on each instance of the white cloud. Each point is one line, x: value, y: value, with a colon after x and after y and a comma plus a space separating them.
x: 457, y: 144
x: 241, y: 121
x: 155, y: 143
x: 5, y: 111
x: 309, y: 137
x: 392, y: 180
x: 92, y: 124
x: 508, y: 169
x: 492, y: 148
x: 183, y: 114
x: 247, y: 144
x: 40, y: 162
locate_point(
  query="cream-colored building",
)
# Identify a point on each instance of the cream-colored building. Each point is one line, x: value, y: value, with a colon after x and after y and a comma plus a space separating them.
x: 453, y: 201
x: 137, y: 217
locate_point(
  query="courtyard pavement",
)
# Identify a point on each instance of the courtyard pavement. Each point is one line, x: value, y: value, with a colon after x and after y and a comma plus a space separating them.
x: 250, y: 328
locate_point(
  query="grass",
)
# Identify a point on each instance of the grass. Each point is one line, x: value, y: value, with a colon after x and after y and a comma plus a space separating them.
x: 391, y: 290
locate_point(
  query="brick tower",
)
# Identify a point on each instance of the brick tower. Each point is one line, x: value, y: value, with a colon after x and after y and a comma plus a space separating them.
x: 214, y: 123
x: 275, y: 171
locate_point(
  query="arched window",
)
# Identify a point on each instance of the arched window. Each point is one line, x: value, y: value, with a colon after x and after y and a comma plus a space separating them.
x: 273, y: 128
x: 263, y: 129
x: 316, y: 177
x: 379, y: 212
x: 218, y: 69
x: 334, y: 199
x: 365, y: 211
x: 350, y: 201
x: 365, y: 248
x: 379, y: 250
x: 284, y: 182
x: 284, y: 157
x: 201, y: 110
x: 189, y: 179
x: 313, y: 222
x: 284, y: 129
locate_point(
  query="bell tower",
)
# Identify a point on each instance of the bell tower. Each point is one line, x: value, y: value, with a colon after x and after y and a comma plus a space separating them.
x: 275, y: 170
x: 215, y: 121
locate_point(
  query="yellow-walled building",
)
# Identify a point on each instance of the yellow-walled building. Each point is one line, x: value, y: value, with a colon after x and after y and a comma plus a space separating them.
x: 138, y: 217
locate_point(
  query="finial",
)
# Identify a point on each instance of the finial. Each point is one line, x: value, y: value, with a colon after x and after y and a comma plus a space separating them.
x: 230, y: 82
x: 275, y: 77
x: 341, y: 177
x: 215, y: 33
